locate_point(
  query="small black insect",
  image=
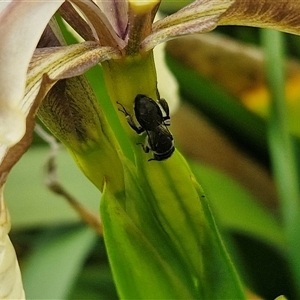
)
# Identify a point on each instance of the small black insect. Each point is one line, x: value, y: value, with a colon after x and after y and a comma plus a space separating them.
x: 150, y: 118
x: 161, y: 144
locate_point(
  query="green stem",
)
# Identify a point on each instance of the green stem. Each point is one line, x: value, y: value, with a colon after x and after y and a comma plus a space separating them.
x: 281, y: 149
x: 160, y: 230
x: 127, y: 77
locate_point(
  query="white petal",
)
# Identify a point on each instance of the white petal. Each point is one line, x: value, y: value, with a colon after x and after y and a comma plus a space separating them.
x: 10, y: 276
x: 21, y: 25
x: 167, y: 84
x: 166, y: 81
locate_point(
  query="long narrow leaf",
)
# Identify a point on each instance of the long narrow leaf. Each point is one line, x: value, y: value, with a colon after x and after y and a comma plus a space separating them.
x: 53, y: 267
x: 281, y: 149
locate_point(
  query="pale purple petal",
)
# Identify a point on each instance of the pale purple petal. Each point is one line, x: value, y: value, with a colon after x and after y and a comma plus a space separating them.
x: 21, y: 25
x: 204, y: 15
x: 63, y: 62
x: 200, y: 16
x: 75, y: 20
x: 283, y: 15
x: 117, y: 13
x: 99, y: 23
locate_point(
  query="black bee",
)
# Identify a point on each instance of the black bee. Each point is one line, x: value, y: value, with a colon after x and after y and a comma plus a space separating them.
x: 150, y: 118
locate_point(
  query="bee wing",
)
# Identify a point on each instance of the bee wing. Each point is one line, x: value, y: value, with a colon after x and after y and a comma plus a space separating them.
x: 164, y: 130
x: 151, y: 139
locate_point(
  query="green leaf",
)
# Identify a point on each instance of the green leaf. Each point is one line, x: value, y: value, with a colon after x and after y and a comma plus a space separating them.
x: 132, y: 236
x: 96, y: 79
x: 170, y: 6
x: 236, y: 208
x: 162, y: 231
x: 54, y: 265
x: 31, y: 204
x: 282, y: 150
x: 71, y: 112
x: 95, y: 282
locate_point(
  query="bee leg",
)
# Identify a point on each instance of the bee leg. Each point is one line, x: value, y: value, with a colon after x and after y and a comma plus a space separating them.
x: 164, y: 104
x: 146, y: 148
x: 167, y: 121
x: 129, y: 119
